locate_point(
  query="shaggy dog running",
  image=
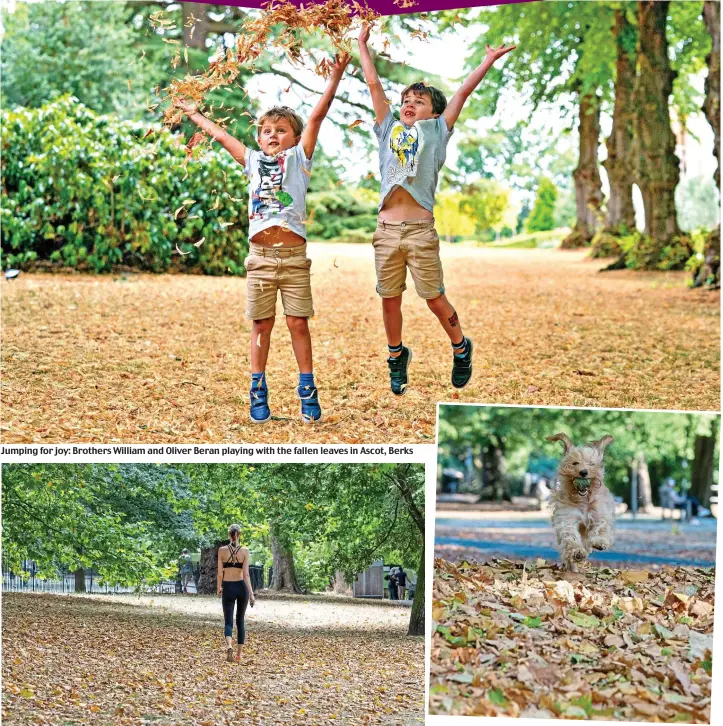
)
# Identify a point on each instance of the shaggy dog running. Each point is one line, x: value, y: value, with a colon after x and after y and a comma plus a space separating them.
x: 583, y: 509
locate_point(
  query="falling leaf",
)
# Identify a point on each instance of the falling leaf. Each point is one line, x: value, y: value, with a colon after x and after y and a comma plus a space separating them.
x: 200, y: 242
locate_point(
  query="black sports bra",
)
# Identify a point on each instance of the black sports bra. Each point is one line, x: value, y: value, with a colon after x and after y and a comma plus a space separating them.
x: 232, y: 561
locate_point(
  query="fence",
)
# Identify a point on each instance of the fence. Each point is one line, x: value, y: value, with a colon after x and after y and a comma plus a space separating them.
x: 27, y: 581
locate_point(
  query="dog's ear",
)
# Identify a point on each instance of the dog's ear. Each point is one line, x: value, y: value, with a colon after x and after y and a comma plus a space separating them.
x: 564, y: 438
x: 602, y: 444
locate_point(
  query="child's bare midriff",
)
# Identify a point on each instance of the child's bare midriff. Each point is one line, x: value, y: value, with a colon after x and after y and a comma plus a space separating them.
x: 400, y: 206
x: 277, y: 237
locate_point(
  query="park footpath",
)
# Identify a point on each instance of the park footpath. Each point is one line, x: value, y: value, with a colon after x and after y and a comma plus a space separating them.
x: 641, y: 542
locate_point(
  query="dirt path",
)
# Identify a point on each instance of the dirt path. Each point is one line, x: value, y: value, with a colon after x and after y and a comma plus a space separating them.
x: 162, y: 359
x: 99, y: 660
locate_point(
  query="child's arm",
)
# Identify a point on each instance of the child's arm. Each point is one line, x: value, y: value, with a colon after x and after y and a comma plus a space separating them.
x: 311, y: 132
x: 454, y: 108
x: 232, y: 145
x: 379, y: 98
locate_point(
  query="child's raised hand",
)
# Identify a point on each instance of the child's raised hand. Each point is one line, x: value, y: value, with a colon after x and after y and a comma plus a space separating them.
x: 341, y: 61
x: 186, y: 106
x: 364, y: 33
x: 494, y: 54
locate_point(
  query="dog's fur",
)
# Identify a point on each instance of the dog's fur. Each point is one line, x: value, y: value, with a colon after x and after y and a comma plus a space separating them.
x: 582, y: 521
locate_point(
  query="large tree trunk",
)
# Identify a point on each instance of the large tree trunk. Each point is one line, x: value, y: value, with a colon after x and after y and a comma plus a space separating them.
x: 658, y: 169
x: 588, y: 187
x: 79, y: 580
x: 416, y: 619
x: 620, y: 216
x: 703, y: 465
x: 284, y: 577
x: 709, y: 271
x: 645, y: 492
x: 208, y: 569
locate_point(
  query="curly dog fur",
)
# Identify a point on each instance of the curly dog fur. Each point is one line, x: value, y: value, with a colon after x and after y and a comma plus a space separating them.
x: 583, y: 509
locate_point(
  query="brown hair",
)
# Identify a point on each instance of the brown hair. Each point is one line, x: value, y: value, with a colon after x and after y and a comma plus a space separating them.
x: 439, y: 102
x: 278, y: 112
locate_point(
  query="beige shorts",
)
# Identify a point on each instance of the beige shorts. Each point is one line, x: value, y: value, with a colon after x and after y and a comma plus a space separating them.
x: 413, y: 245
x: 270, y: 270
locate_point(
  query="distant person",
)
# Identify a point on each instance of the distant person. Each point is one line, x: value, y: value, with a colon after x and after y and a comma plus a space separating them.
x: 392, y: 583
x: 670, y: 497
x: 185, y: 567
x: 401, y: 582
x: 234, y: 589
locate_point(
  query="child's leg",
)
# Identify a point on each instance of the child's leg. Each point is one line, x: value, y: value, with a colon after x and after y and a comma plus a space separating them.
x: 260, y: 343
x: 393, y: 320
x: 301, y: 342
x: 447, y: 316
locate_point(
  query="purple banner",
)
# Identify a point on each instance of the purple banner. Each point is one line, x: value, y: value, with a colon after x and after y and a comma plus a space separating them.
x: 388, y: 7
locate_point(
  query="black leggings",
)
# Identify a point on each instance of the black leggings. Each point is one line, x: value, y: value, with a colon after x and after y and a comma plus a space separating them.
x: 234, y: 593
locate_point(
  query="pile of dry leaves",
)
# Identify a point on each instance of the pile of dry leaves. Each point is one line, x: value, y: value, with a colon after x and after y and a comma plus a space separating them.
x: 519, y: 640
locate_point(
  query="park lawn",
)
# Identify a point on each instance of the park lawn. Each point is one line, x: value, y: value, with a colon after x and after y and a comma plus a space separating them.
x: 102, y: 660
x: 604, y: 645
x: 162, y: 359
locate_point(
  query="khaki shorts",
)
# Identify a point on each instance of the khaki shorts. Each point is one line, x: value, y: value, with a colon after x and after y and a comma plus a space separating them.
x: 413, y: 245
x: 270, y: 270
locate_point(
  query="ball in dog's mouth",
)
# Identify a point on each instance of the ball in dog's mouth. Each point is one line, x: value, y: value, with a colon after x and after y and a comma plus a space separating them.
x: 582, y: 485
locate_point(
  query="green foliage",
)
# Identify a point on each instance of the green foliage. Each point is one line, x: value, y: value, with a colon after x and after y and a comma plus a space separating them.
x: 338, y: 214
x: 485, y: 202
x: 666, y: 439
x: 84, y: 49
x: 542, y: 217
x: 642, y: 252
x: 696, y: 201
x: 86, y: 191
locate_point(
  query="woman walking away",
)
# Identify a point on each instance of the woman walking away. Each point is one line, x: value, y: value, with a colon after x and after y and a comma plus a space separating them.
x: 234, y: 588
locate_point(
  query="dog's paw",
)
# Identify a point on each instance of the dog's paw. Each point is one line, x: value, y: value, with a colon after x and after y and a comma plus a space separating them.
x: 599, y: 543
x: 575, y: 554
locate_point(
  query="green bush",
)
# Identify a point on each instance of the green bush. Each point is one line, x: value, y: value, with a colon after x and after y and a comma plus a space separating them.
x: 86, y: 191
x: 338, y: 214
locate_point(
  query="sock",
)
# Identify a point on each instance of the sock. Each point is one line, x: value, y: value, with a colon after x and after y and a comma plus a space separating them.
x: 395, y: 349
x: 258, y: 380
x: 306, y: 382
x: 460, y: 349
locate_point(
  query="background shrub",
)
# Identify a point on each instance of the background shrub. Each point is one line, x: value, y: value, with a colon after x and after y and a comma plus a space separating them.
x: 86, y: 191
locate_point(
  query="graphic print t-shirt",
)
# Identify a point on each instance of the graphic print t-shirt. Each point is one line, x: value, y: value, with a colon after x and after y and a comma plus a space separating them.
x: 411, y: 157
x: 277, y: 190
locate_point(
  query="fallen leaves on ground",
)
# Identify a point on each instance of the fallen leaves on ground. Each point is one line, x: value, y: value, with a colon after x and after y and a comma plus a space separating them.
x: 160, y: 359
x: 69, y: 659
x: 532, y: 641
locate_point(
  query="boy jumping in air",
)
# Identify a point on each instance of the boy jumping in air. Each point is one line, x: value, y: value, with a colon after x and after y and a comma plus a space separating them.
x: 278, y: 181
x: 411, y: 153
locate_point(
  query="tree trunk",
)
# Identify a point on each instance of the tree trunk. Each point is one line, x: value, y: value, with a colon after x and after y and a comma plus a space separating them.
x: 495, y: 469
x: 195, y: 32
x: 284, y: 577
x: 708, y: 273
x: 208, y: 566
x: 645, y: 492
x: 416, y: 619
x: 703, y: 466
x: 658, y: 167
x: 478, y: 462
x: 620, y: 215
x: 80, y: 580
x: 588, y: 187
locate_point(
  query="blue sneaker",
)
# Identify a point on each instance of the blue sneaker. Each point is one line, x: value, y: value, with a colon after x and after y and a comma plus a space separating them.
x: 259, y: 397
x: 310, y: 408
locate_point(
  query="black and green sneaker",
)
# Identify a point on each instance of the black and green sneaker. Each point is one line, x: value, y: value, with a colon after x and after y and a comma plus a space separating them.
x: 398, y: 371
x: 462, y: 366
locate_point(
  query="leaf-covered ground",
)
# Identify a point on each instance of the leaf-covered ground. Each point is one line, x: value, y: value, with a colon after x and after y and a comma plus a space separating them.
x: 90, y: 660
x: 514, y: 640
x: 162, y: 359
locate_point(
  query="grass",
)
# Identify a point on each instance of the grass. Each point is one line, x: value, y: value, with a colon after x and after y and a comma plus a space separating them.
x: 163, y: 359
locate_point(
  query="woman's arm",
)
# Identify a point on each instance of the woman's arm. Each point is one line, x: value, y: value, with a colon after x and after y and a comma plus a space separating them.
x: 219, y: 574
x: 234, y: 147
x: 247, y: 576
